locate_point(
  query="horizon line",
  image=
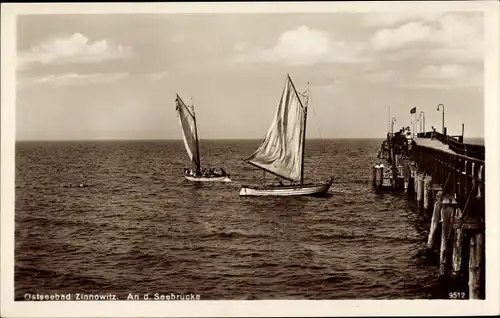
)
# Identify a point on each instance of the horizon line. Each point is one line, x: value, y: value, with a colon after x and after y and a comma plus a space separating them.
x: 180, y: 139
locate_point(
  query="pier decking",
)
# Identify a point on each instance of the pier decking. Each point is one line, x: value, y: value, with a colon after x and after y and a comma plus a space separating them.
x: 432, y: 143
x: 446, y: 179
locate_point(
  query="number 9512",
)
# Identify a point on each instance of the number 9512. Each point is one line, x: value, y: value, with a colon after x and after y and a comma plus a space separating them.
x: 457, y: 295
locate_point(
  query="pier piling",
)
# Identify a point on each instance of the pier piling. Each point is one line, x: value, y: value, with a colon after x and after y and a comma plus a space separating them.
x: 420, y: 189
x: 427, y: 195
x: 374, y: 172
x: 406, y: 174
x: 411, y: 181
x: 379, y: 176
x: 436, y: 215
x: 475, y: 266
x: 457, y: 245
x: 415, y: 181
x: 447, y: 210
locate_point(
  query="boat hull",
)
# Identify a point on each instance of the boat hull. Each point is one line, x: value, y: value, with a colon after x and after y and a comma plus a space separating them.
x: 311, y: 190
x: 208, y: 179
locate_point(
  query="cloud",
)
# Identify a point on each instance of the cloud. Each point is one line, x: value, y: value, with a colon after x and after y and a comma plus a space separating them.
x: 447, y: 76
x: 447, y: 71
x: 241, y: 46
x: 76, y: 48
x: 302, y: 46
x: 381, y: 76
x: 72, y: 79
x: 392, y: 39
x: 462, y: 37
x: 177, y: 38
x: 376, y: 19
x: 158, y: 76
x: 453, y: 36
x: 442, y: 85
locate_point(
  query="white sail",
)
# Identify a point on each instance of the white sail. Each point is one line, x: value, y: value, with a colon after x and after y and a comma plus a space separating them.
x: 281, y: 152
x: 189, y: 132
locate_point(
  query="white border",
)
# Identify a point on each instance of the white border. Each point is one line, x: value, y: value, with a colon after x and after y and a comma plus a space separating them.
x: 9, y: 308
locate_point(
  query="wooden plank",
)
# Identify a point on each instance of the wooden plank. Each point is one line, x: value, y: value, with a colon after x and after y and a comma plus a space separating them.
x: 426, y: 188
x: 435, y: 219
x: 434, y: 144
x: 437, y: 187
x: 420, y: 188
x: 457, y: 244
x: 481, y: 184
x: 447, y: 212
x: 468, y: 225
x: 475, y: 266
x: 456, y: 175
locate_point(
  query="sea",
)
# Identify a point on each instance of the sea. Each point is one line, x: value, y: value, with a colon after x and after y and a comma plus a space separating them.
x: 141, y: 228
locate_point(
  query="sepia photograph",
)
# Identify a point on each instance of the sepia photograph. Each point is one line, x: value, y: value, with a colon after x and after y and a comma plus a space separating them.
x: 186, y: 153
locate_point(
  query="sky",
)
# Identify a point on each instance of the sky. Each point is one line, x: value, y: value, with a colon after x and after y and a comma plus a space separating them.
x: 105, y: 76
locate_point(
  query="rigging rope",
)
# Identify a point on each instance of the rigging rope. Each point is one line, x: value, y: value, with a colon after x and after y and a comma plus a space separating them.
x: 307, y: 94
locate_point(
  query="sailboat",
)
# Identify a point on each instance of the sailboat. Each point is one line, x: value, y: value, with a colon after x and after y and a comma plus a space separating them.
x: 281, y: 153
x: 187, y: 119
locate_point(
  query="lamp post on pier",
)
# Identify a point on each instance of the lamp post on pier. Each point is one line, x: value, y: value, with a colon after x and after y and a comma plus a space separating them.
x: 393, y: 120
x: 442, y: 106
x: 422, y: 113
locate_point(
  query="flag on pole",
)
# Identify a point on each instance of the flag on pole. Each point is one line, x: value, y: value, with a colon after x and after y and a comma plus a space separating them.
x: 413, y: 110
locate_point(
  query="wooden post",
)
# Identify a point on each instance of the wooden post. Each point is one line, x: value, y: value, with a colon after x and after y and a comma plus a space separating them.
x: 407, y: 174
x: 421, y: 185
x: 427, y: 193
x: 415, y: 182
x: 435, y: 219
x: 394, y: 167
x: 411, y: 183
x: 475, y: 266
x: 420, y: 190
x: 447, y: 217
x: 375, y: 175
x: 380, y: 175
x: 458, y: 244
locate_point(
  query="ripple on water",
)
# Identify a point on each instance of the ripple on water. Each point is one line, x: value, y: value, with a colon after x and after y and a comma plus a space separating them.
x: 141, y: 227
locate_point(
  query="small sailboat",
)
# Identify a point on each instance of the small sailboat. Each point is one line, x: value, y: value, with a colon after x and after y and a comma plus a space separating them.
x: 282, y: 151
x: 187, y: 120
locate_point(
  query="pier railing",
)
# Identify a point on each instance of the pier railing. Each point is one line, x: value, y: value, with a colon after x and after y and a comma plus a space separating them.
x: 459, y: 175
x: 441, y: 137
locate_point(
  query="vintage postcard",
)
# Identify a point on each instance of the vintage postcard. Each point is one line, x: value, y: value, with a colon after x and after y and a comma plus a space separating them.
x: 250, y: 159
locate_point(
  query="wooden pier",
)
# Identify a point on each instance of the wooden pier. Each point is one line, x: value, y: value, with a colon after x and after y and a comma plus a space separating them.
x: 445, y: 177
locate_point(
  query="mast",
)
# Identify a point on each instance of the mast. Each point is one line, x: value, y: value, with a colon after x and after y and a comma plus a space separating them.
x: 389, y: 119
x: 196, y: 137
x: 304, y: 142
x: 304, y: 107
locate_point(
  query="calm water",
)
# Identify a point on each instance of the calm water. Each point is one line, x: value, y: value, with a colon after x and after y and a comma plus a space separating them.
x: 475, y: 141
x: 141, y: 228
